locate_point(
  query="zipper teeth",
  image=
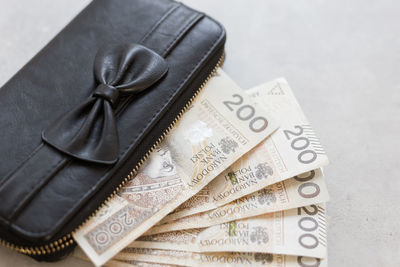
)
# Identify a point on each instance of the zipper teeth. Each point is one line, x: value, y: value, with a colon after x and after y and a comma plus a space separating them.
x: 67, y: 240
x: 52, y: 247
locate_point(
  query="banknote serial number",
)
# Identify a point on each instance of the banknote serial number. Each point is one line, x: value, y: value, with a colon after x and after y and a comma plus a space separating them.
x: 300, y: 143
x: 246, y: 112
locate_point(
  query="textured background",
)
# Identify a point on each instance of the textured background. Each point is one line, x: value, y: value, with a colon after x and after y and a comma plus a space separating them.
x: 342, y: 59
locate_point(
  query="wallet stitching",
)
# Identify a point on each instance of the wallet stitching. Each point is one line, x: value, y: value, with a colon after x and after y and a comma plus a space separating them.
x: 10, y: 174
x: 38, y: 185
x: 183, y: 30
x: 209, y: 50
x: 169, y: 99
x: 5, y: 180
x: 151, y: 31
x: 158, y: 23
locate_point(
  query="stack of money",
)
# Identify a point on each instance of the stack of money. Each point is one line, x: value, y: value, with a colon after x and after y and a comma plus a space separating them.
x: 238, y: 181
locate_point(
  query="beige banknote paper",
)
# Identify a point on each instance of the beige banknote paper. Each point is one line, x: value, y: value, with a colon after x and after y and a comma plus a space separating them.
x: 213, y: 133
x: 135, y: 263
x: 78, y: 253
x: 221, y: 259
x: 300, y: 231
x: 302, y: 190
x: 292, y: 149
x: 130, y: 257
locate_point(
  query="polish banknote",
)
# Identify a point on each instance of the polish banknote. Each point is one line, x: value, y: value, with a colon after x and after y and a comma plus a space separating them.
x: 78, y: 253
x: 221, y: 259
x: 142, y: 257
x: 302, y: 190
x: 135, y: 263
x: 291, y: 150
x: 220, y: 127
x: 300, y: 232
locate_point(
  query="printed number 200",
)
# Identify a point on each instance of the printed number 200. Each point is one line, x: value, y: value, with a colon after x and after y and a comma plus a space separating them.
x: 246, y: 112
x: 301, y: 143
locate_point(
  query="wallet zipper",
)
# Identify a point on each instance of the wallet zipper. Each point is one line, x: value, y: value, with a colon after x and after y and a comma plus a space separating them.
x: 67, y: 240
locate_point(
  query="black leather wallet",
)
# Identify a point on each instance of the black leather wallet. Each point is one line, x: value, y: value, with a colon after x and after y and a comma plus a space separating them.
x: 80, y: 118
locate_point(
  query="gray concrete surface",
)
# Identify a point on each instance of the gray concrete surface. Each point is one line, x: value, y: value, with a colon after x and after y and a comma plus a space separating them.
x: 342, y: 58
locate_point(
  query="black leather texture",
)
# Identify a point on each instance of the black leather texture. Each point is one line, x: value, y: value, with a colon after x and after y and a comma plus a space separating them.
x: 85, y: 110
x: 88, y: 132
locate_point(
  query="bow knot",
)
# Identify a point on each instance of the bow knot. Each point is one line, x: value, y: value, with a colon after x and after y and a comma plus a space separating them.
x: 107, y: 92
x: 89, y: 131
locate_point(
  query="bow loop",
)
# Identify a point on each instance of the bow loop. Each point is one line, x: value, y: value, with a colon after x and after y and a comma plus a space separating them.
x: 130, y: 68
x: 89, y: 131
x: 108, y: 92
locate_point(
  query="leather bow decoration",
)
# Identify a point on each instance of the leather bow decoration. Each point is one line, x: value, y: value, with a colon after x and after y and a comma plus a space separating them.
x: 89, y: 131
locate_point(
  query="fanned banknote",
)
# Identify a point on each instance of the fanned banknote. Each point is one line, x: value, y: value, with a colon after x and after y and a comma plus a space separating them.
x: 302, y: 190
x: 222, y: 259
x: 291, y: 150
x: 300, y: 232
x: 78, y: 253
x: 135, y: 263
x: 220, y: 127
x: 142, y: 257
